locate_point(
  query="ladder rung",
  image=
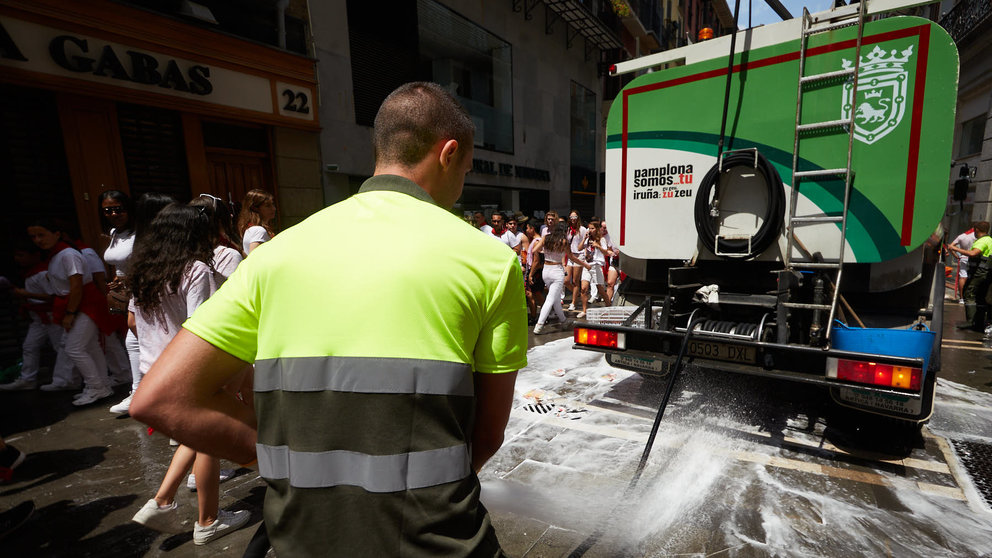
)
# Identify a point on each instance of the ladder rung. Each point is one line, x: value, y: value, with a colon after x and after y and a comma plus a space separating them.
x: 817, y: 265
x: 807, y: 306
x: 823, y: 125
x: 831, y: 27
x: 818, y: 219
x: 820, y: 172
x: 826, y: 76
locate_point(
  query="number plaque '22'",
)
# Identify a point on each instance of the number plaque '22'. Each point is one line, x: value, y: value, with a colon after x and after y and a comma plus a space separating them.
x: 296, y: 101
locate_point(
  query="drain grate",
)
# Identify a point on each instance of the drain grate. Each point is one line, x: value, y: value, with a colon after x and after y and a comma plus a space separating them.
x: 977, y: 459
x: 539, y: 408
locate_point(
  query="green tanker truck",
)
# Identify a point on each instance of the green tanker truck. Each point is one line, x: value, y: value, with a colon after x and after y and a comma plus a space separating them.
x: 777, y: 196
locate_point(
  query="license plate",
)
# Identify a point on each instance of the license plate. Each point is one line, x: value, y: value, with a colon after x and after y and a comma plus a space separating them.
x: 647, y: 364
x: 722, y: 351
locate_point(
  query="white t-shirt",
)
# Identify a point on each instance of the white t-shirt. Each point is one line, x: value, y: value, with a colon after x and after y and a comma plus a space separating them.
x: 964, y: 241
x: 507, y: 238
x: 577, y: 240
x: 486, y: 229
x: 37, y: 283
x: 117, y: 254
x: 64, y: 265
x: 226, y: 260
x: 594, y: 256
x: 254, y: 233
x: 93, y: 262
x: 155, y: 331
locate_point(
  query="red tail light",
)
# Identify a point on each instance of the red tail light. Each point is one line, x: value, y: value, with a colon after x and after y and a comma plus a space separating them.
x: 872, y: 373
x: 599, y: 338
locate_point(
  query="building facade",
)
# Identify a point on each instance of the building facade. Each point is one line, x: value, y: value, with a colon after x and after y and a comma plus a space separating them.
x: 969, y: 23
x: 98, y: 95
x: 529, y: 74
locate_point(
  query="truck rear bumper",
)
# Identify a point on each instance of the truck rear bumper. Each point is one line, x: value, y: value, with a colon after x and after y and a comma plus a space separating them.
x: 651, y: 352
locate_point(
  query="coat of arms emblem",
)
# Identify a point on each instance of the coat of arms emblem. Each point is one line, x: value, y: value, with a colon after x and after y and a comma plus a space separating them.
x: 881, y: 95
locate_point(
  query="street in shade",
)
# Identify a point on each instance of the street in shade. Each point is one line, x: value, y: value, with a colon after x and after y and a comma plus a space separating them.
x: 740, y: 465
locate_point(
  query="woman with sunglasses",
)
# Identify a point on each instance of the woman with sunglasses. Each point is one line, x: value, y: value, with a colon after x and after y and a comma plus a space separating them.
x: 117, y: 217
x: 258, y: 210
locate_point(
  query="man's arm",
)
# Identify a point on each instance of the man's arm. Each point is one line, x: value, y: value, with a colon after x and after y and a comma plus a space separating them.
x: 493, y: 399
x: 183, y: 396
x: 970, y: 253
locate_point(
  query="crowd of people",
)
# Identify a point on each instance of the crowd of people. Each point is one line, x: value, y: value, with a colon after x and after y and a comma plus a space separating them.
x: 369, y: 432
x: 559, y: 258
x: 165, y: 258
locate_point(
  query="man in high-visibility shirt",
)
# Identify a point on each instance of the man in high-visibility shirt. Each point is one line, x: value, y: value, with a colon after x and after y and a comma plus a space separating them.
x: 975, y: 303
x: 379, y: 400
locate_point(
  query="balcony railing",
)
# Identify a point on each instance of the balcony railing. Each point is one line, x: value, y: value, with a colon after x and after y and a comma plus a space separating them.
x: 966, y: 17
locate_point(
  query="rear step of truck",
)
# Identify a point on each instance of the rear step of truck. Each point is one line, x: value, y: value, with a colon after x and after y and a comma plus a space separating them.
x: 809, y: 261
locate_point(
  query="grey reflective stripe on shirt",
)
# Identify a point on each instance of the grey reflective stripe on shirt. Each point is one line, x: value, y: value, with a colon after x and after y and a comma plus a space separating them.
x: 374, y: 473
x: 364, y: 375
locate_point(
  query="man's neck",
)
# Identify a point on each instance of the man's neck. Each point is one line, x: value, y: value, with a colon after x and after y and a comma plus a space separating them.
x: 416, y: 174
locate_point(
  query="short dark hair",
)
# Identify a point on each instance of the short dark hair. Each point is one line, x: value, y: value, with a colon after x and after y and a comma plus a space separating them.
x: 413, y: 118
x: 982, y: 227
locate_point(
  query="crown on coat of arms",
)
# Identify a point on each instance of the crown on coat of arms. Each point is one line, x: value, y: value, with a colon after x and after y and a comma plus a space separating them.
x: 879, y: 60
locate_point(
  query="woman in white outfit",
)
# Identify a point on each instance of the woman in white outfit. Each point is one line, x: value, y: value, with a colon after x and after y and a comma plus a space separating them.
x: 37, y: 302
x: 258, y: 210
x: 80, y: 308
x: 573, y: 270
x: 555, y: 246
x: 118, y: 253
x: 117, y: 217
x: 593, y: 261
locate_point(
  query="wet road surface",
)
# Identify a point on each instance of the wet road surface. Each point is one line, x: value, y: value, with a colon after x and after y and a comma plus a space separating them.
x: 741, y: 467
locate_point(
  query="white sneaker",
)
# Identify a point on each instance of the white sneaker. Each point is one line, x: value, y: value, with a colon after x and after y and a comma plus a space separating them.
x: 571, y: 307
x: 124, y: 406
x: 165, y: 520
x: 538, y: 329
x: 92, y: 395
x: 225, y: 474
x: 19, y: 384
x: 226, y: 523
x: 58, y: 386
x: 580, y: 315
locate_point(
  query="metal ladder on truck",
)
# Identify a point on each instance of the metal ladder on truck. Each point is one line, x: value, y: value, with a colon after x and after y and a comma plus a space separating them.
x: 808, y: 29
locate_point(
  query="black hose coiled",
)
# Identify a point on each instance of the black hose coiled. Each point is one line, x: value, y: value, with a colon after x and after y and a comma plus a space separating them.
x: 771, y: 226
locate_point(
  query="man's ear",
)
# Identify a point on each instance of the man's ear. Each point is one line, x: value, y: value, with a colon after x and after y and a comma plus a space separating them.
x: 448, y: 154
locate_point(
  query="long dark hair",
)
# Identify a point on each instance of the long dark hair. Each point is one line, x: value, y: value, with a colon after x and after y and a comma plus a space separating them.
x: 147, y: 207
x: 176, y: 238
x: 121, y: 198
x: 557, y: 239
x: 221, y: 221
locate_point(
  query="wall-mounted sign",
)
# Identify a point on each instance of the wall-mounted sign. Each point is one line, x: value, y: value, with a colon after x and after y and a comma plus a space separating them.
x: 46, y: 50
x: 493, y: 168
